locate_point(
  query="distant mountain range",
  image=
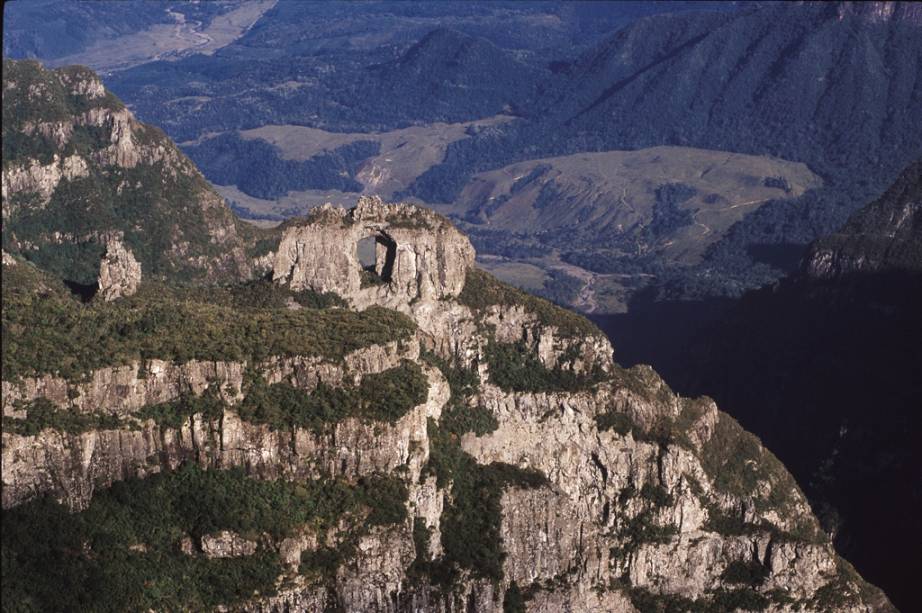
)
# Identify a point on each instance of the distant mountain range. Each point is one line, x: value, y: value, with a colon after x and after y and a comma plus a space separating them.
x: 822, y: 84
x: 832, y: 86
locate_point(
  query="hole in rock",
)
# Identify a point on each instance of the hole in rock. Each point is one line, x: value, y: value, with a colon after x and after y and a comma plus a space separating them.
x: 376, y: 255
x: 85, y: 292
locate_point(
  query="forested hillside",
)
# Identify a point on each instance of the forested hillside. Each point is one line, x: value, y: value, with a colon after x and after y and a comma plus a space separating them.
x: 832, y: 86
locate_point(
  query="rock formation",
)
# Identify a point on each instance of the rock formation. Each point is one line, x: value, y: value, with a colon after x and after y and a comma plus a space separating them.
x: 552, y: 480
x: 418, y: 255
x: 845, y: 336
x: 119, y: 271
x: 84, y: 168
x: 885, y: 236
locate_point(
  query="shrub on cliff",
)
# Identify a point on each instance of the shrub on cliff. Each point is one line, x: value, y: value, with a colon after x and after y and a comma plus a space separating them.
x: 47, y: 330
x: 123, y: 552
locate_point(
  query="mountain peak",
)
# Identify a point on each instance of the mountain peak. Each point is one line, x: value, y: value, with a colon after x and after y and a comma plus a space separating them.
x: 78, y: 167
x: 886, y: 235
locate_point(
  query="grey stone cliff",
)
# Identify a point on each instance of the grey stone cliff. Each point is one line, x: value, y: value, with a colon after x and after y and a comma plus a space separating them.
x: 419, y: 255
x: 642, y: 497
x: 119, y: 271
x: 882, y: 237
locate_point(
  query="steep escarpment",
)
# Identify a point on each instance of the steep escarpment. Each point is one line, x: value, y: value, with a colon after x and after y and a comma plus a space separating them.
x: 454, y: 445
x: 79, y: 172
x: 885, y: 236
x: 835, y: 351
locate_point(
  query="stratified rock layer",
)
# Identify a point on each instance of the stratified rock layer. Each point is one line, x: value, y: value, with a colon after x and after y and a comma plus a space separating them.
x: 604, y: 491
x: 645, y: 496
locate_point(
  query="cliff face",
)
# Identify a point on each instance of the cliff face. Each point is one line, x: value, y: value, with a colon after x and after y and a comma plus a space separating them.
x: 527, y: 470
x: 885, y: 236
x: 845, y: 338
x: 77, y: 168
x: 418, y: 254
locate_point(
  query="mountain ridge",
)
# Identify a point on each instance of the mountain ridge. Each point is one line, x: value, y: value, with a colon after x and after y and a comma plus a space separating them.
x: 404, y: 435
x: 835, y: 347
x: 78, y: 167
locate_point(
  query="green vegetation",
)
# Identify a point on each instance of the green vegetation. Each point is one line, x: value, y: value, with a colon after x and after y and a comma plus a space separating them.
x: 641, y: 530
x: 747, y: 572
x: 845, y: 589
x: 46, y: 330
x: 369, y: 278
x: 49, y: 100
x: 463, y: 382
x: 173, y: 414
x: 482, y: 290
x: 733, y: 459
x: 620, y: 423
x: 515, y: 367
x: 642, y: 381
x: 385, y: 396
x: 648, y: 602
x: 257, y: 294
x: 41, y: 414
x: 719, y: 601
x: 471, y: 520
x: 255, y: 166
x: 122, y: 553
x: 385, y: 498
x: 737, y: 464
x: 459, y: 416
x: 729, y: 524
x: 170, y: 217
x: 422, y: 537
x: 643, y: 527
x: 741, y: 599
x: 664, y: 432
x: 513, y: 599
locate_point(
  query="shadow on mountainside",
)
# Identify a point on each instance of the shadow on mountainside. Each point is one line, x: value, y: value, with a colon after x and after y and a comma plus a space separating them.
x: 827, y: 374
x: 654, y: 332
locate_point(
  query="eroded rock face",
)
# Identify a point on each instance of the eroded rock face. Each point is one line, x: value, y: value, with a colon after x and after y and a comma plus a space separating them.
x: 119, y: 271
x: 419, y: 255
x: 72, y: 466
x: 227, y: 544
x: 633, y: 497
x: 40, y: 179
x: 880, y: 238
x: 82, y: 148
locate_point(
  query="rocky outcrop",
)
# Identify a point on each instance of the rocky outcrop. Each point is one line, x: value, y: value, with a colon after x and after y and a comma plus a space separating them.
x: 123, y: 390
x: 81, y: 155
x: 33, y: 177
x: 419, y: 256
x: 119, y: 271
x: 885, y: 236
x: 227, y: 544
x: 72, y: 466
x: 604, y: 490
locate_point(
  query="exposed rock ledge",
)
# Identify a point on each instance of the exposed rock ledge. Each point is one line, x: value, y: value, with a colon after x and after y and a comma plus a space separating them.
x: 419, y: 255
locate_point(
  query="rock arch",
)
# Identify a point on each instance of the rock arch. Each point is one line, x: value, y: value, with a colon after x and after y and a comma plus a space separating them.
x: 419, y: 255
x: 377, y: 254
